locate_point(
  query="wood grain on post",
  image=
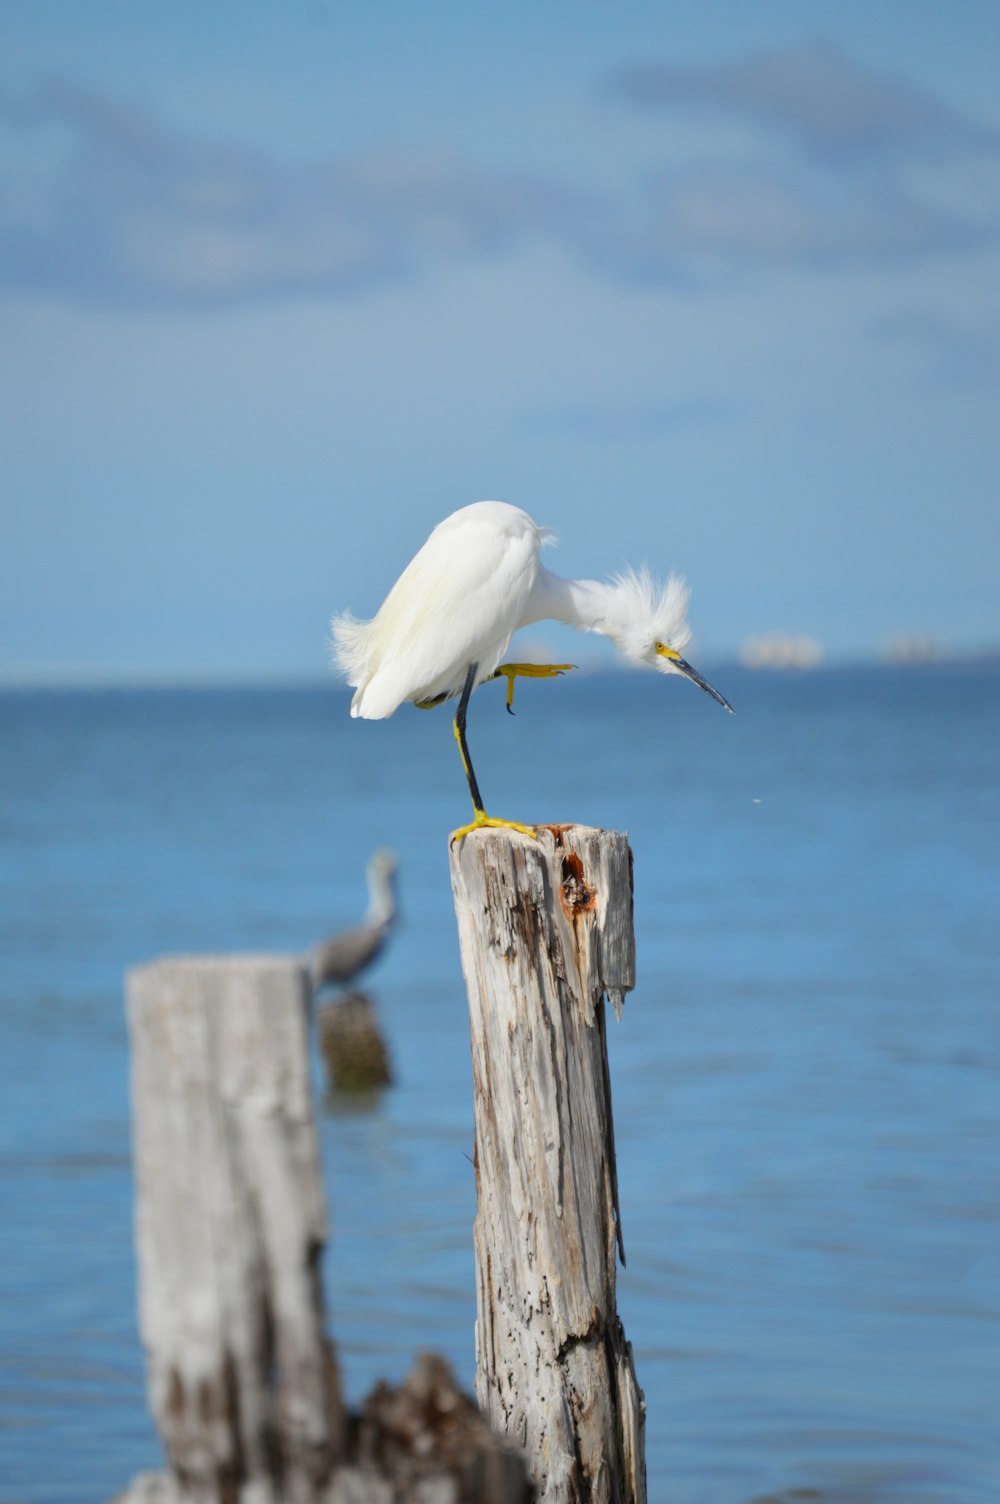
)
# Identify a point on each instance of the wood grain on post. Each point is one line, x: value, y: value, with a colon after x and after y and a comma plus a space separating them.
x: 545, y: 927
x: 230, y: 1222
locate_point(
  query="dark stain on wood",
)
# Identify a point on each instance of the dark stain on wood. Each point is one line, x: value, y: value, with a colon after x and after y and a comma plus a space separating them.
x: 524, y: 923
x: 175, y: 1397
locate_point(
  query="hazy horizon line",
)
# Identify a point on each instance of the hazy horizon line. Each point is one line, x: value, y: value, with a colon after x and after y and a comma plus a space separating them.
x: 220, y: 678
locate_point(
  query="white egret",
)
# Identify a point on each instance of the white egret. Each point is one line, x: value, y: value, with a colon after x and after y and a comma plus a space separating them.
x: 445, y: 624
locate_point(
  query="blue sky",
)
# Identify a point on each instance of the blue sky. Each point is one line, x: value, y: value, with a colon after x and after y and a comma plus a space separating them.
x: 714, y: 288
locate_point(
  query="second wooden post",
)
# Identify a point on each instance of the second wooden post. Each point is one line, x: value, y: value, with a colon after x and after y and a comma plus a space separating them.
x: 545, y: 927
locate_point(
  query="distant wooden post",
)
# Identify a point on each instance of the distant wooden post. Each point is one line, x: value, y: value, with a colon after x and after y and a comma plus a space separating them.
x: 545, y: 927
x: 230, y: 1224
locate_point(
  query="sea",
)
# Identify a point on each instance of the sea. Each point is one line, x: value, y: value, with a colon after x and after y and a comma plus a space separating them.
x: 806, y: 1079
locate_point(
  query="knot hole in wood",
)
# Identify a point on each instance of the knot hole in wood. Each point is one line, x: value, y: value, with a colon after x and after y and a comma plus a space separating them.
x: 576, y: 893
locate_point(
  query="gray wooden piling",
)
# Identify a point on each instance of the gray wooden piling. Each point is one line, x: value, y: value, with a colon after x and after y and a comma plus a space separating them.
x: 545, y: 928
x: 230, y: 1223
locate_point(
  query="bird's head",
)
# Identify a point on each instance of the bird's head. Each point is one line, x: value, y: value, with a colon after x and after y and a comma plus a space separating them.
x: 383, y: 905
x: 383, y: 864
x: 648, y: 623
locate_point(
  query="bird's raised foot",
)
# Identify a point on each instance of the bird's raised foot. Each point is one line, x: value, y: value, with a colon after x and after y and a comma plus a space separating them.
x: 483, y: 820
x: 512, y: 671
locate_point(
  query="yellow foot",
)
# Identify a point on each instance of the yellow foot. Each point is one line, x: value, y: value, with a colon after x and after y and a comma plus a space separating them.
x: 483, y: 819
x: 512, y: 671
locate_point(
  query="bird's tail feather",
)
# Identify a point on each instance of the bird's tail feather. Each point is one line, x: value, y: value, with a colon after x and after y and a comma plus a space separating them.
x: 350, y: 647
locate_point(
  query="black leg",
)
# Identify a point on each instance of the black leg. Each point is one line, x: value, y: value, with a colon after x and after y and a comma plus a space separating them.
x: 463, y: 746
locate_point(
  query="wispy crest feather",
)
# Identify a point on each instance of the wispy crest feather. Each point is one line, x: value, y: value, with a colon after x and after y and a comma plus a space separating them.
x: 649, y: 611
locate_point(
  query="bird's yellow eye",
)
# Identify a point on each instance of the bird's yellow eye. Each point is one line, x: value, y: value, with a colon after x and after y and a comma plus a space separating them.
x: 665, y: 652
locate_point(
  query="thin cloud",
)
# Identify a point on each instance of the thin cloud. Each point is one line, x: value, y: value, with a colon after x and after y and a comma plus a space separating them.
x: 611, y: 424
x: 722, y: 222
x: 815, y: 95
x: 951, y: 352
x: 111, y: 206
x: 137, y: 213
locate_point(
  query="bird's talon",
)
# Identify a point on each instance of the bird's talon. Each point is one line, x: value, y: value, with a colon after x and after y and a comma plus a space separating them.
x: 484, y: 820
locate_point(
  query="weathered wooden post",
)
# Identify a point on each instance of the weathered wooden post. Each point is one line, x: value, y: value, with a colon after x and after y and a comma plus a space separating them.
x: 545, y: 927
x: 230, y: 1224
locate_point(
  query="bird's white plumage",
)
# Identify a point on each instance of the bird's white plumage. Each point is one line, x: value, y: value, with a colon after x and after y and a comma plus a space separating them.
x: 476, y: 580
x: 632, y: 609
x: 457, y: 602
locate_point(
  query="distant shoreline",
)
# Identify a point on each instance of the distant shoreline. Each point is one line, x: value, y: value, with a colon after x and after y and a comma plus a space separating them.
x: 984, y: 660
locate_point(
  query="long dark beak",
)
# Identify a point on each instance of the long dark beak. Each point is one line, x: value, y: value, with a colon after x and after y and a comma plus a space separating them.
x: 693, y: 674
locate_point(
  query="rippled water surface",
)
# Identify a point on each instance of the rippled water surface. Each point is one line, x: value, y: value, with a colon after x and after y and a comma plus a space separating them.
x: 806, y: 1079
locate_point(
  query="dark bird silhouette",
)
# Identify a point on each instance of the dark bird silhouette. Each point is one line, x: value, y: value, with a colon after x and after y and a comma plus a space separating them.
x: 338, y: 961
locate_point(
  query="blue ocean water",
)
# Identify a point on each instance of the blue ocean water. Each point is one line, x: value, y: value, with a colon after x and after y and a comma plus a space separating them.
x: 806, y: 1079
